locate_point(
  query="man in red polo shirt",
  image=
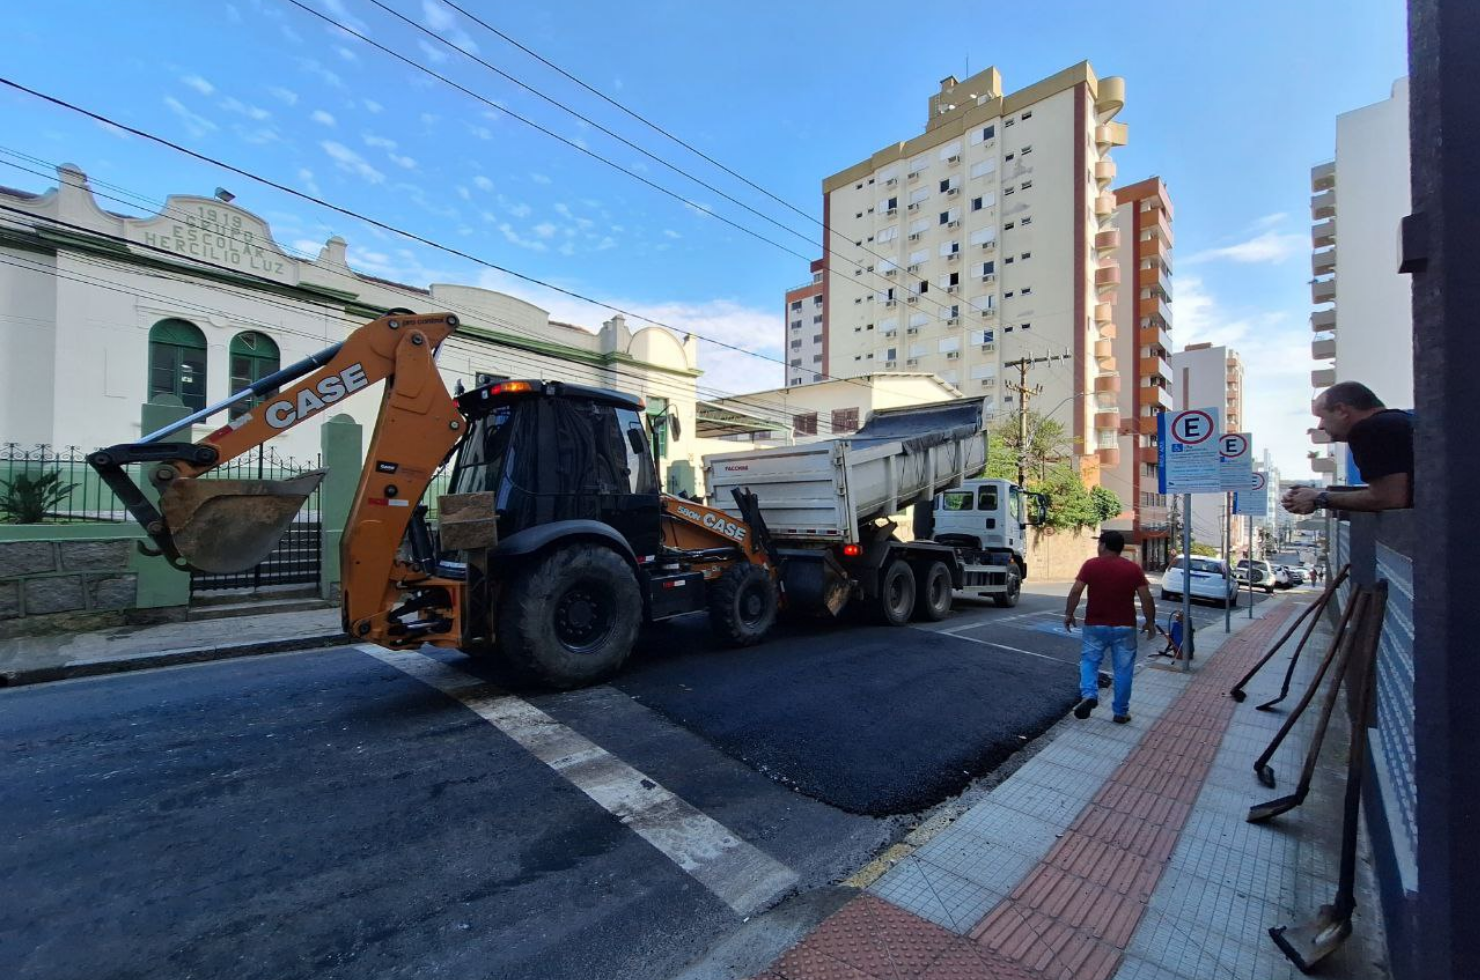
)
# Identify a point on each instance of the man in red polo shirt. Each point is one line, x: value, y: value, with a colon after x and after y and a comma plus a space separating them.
x: 1109, y: 623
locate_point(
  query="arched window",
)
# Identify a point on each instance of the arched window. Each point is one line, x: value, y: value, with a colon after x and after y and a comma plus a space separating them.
x: 253, y: 357
x: 177, y: 362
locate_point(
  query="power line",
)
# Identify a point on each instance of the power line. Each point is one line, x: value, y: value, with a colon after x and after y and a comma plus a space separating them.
x: 577, y: 146
x: 412, y: 236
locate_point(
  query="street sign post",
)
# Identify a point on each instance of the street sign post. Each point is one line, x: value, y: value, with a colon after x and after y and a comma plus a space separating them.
x: 1252, y: 500
x: 1188, y: 462
x: 1236, y: 465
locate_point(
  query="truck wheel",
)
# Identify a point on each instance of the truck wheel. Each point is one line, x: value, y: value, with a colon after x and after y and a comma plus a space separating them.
x: 570, y: 618
x: 896, y: 598
x: 742, y: 605
x: 933, y: 595
x: 1009, y: 598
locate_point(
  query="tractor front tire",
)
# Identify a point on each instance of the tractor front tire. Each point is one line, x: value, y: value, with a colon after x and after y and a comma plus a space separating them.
x: 569, y: 618
x: 742, y: 605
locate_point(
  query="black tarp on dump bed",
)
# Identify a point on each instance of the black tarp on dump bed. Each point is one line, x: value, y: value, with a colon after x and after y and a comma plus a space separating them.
x: 921, y: 426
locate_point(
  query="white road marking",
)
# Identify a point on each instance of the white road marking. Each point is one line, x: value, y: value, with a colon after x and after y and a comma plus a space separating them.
x: 738, y: 873
x: 1001, y: 646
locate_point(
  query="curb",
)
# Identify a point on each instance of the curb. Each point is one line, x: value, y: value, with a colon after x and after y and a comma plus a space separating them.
x: 169, y: 658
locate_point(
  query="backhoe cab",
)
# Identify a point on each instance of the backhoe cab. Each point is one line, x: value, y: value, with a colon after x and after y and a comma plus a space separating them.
x: 553, y: 546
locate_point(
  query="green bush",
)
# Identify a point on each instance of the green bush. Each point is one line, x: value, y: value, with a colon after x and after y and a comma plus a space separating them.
x: 28, y: 500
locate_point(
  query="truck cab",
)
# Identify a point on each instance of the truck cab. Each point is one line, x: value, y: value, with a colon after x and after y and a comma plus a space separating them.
x: 988, y: 520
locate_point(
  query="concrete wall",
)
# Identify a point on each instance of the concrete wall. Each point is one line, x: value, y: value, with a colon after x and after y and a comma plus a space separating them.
x: 1055, y: 555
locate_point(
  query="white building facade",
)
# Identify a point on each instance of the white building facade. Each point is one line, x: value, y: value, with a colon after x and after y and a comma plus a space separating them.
x: 1357, y: 203
x: 104, y: 312
x: 975, y: 243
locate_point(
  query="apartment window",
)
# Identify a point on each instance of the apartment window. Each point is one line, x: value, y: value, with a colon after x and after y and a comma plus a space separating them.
x: 1027, y: 115
x: 945, y: 185
x: 1026, y: 150
x: 919, y: 256
x: 988, y: 268
x: 796, y: 324
x: 1008, y: 260
x: 805, y: 424
x: 954, y: 279
x: 1007, y: 330
x: 1006, y: 192
x: 950, y: 248
x: 1027, y: 290
x: 1026, y: 256
x: 1027, y: 221
x: 846, y: 419
x: 924, y: 286
x: 1010, y: 225
x: 796, y: 362
x: 976, y: 204
x: 1009, y: 156
x: 982, y: 135
x: 944, y: 217
x: 816, y: 358
x: 253, y: 356
x: 1007, y: 124
x: 983, y: 167
x: 817, y: 318
x: 890, y: 204
x: 796, y: 344
x: 1026, y: 326
x: 889, y: 234
x: 817, y: 338
x: 1027, y: 184
x: 816, y: 300
x: 796, y: 304
x: 1008, y: 295
x: 858, y: 214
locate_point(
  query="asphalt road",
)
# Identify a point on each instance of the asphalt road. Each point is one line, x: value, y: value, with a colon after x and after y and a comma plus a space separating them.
x: 329, y: 814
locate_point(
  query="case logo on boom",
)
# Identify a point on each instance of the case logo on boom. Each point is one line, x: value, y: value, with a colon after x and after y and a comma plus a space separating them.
x: 281, y: 414
x: 728, y: 528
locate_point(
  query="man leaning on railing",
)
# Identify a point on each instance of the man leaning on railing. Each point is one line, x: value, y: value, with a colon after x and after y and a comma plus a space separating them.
x: 1381, y: 443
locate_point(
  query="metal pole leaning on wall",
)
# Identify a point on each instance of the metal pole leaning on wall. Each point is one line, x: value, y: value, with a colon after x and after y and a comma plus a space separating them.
x: 1251, y: 569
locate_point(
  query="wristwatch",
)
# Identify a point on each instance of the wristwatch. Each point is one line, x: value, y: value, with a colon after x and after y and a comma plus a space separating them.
x: 1323, y: 500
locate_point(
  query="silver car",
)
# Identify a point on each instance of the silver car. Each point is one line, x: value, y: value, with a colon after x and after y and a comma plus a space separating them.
x: 1210, y: 580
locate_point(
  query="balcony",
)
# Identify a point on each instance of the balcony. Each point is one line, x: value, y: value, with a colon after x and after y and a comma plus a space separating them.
x: 1323, y: 176
x: 1155, y: 221
x: 1154, y: 367
x: 1323, y: 377
x: 1147, y: 454
x: 1154, y: 396
x: 1323, y: 464
x: 1109, y: 456
x: 1105, y: 205
x: 1155, y: 336
x: 1110, y: 95
x: 1323, y: 233
x: 1154, y: 306
x: 1111, y: 134
x: 1104, y: 312
x: 1107, y: 331
x: 1105, y: 240
x: 1322, y: 350
x: 1107, y: 276
x: 1323, y: 204
x: 1146, y: 424
x: 1104, y: 349
x: 1319, y: 436
x: 1107, y: 420
x: 1323, y: 320
x: 1323, y: 263
x: 1155, y: 278
x: 1104, y: 172
x: 1323, y: 291
x: 1107, y: 384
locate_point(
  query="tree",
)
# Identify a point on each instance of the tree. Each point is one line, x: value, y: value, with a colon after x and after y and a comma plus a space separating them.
x: 27, y: 500
x: 1046, y: 444
x: 1206, y: 550
x: 1107, y: 504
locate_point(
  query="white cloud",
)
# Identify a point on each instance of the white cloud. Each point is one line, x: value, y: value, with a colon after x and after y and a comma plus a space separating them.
x: 379, y: 142
x: 670, y: 233
x: 290, y: 34
x: 196, y: 125
x: 306, y: 177
x: 342, y: 14
x: 285, y: 95
x: 311, y: 67
x: 429, y: 119
x: 257, y: 136
x: 113, y: 130
x: 351, y: 162
x: 1270, y: 220
x: 607, y: 242
x: 545, y: 229
x: 322, y: 118
x: 520, y: 210
x: 1270, y: 246
x: 435, y: 54
x: 516, y: 239
x: 232, y: 14
x: 563, y: 210
x: 464, y: 193
x: 402, y: 161
x: 568, y: 248
x: 372, y: 106
x: 539, y: 178
x: 481, y: 132
x: 436, y: 16
x: 345, y: 53
x: 250, y: 111
x: 482, y: 183
x: 199, y: 84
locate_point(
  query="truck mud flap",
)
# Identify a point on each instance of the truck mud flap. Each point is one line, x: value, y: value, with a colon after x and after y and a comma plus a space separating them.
x: 814, y: 582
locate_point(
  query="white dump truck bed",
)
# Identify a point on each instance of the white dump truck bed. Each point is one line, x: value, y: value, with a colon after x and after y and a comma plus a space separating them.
x: 823, y: 491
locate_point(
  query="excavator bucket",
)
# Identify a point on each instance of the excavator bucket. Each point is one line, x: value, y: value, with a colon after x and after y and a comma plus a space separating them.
x: 224, y: 526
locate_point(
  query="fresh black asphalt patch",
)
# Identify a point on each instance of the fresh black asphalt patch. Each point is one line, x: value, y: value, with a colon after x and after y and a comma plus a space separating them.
x: 871, y: 720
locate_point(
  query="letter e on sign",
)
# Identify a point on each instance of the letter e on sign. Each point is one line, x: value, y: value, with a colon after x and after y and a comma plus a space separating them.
x: 1192, y: 427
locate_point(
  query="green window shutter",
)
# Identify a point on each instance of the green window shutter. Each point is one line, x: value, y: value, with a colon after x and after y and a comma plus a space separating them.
x: 177, y: 362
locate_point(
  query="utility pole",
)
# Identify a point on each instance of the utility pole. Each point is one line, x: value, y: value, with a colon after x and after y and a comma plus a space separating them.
x: 1025, y: 394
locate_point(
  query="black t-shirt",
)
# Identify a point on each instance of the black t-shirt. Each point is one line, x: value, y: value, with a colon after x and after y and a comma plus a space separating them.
x: 1382, y: 444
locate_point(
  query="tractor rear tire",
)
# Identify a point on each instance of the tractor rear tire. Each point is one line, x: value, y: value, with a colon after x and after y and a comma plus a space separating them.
x: 570, y: 618
x: 896, y: 599
x: 742, y: 605
x: 933, y: 591
x: 1009, y: 597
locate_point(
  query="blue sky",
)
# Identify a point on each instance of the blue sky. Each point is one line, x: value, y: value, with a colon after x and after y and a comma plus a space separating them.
x: 1231, y: 104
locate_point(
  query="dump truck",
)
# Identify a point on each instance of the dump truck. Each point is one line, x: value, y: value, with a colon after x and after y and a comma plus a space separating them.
x: 828, y: 510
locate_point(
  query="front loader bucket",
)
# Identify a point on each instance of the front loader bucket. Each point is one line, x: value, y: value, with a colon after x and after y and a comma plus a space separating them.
x: 224, y: 526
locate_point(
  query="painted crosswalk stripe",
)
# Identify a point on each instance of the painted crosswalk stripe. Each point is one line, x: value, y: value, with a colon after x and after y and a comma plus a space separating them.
x: 739, y: 874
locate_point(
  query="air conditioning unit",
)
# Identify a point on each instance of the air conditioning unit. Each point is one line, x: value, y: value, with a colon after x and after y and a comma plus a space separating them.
x: 954, y: 159
x: 913, y: 207
x: 989, y: 277
x: 953, y: 224
x: 915, y: 175
x: 953, y: 256
x: 858, y: 272
x: 954, y: 355
x: 889, y: 303
x: 952, y: 321
x: 889, y: 333
x: 953, y: 289
x: 987, y: 314
x: 889, y: 364
x: 913, y: 268
x: 890, y: 271
x: 912, y: 300
x: 891, y: 212
x: 912, y: 331
x: 953, y: 192
x: 912, y: 362
x: 891, y: 181
x: 989, y: 382
x: 988, y: 347
x: 914, y: 236
x: 988, y: 246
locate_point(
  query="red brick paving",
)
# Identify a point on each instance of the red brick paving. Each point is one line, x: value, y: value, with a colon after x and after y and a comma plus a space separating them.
x: 1073, y: 914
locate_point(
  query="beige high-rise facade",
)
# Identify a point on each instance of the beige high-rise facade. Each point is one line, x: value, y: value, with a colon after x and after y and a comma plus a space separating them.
x: 986, y: 239
x: 1141, y: 347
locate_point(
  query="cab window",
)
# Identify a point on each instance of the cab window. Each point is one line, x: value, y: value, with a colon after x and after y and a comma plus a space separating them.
x: 956, y: 500
x: 986, y: 498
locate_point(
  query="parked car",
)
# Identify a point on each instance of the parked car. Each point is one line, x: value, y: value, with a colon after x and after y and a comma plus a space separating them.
x: 1282, y: 577
x: 1210, y: 580
x: 1263, y: 576
x: 1297, y: 574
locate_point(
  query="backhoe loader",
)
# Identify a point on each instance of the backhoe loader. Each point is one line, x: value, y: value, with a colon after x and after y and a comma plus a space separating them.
x: 554, y: 545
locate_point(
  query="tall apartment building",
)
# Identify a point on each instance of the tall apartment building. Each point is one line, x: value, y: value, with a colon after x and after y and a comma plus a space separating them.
x: 1366, y: 336
x: 806, y: 337
x: 1207, y: 376
x: 1139, y: 346
x: 980, y: 241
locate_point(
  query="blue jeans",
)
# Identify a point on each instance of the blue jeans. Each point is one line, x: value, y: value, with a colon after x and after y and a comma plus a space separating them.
x: 1120, y: 641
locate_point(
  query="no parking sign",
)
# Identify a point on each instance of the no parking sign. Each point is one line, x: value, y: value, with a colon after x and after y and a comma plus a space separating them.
x: 1253, y: 498
x: 1190, y: 456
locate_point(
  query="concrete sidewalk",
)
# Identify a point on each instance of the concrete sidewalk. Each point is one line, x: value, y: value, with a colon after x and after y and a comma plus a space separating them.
x: 36, y: 659
x: 1120, y: 850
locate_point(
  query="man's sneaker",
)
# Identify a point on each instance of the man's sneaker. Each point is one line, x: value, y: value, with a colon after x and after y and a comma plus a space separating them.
x: 1083, y: 708
x: 1122, y: 719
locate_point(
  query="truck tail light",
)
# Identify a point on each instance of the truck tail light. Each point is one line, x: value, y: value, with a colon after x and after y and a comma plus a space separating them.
x: 852, y: 550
